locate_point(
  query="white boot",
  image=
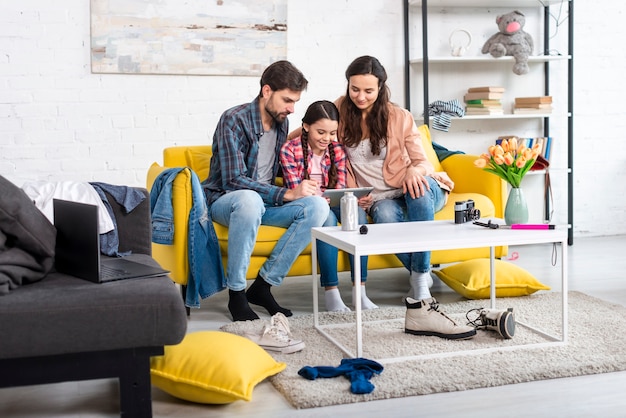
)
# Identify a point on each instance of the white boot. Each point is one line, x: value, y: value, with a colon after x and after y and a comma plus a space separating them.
x: 424, y: 318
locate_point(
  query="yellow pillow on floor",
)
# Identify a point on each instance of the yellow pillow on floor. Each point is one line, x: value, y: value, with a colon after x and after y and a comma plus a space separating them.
x: 213, y: 367
x: 472, y: 279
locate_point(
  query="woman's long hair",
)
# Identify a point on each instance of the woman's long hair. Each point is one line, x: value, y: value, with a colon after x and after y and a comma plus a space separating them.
x: 322, y: 109
x: 377, y: 118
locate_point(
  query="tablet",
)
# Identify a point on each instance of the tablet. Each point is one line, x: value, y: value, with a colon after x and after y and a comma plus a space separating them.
x: 335, y: 195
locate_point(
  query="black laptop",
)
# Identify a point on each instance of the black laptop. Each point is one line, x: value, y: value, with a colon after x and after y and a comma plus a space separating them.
x: 78, y: 247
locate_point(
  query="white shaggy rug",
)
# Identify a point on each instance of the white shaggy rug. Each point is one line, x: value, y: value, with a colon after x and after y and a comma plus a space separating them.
x: 597, y: 344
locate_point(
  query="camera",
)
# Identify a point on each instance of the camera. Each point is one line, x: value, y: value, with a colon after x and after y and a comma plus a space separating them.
x: 464, y: 211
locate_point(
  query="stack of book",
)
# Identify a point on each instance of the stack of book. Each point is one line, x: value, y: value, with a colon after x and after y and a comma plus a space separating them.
x: 538, y: 104
x: 484, y: 100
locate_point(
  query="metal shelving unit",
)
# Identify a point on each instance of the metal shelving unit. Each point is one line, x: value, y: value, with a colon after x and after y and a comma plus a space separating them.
x: 546, y: 59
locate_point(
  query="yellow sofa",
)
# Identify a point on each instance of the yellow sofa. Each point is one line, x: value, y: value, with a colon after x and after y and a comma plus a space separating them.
x: 487, y: 191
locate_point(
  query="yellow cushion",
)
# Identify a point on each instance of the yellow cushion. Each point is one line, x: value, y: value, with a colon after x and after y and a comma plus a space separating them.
x: 199, y: 162
x: 471, y: 279
x: 212, y: 367
x: 428, y: 147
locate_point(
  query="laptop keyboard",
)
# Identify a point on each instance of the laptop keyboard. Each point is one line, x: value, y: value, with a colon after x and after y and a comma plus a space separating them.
x: 107, y: 272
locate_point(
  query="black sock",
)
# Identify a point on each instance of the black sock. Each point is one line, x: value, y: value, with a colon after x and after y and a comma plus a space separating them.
x: 259, y: 294
x: 238, y: 306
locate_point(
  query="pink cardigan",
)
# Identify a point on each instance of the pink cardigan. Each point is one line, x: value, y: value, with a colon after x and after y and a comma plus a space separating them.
x: 404, y: 149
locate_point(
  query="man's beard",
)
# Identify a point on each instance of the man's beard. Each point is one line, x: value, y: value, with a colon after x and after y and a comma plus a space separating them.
x: 278, y: 117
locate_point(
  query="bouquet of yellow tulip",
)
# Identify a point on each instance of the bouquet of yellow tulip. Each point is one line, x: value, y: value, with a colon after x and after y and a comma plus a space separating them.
x: 509, y: 160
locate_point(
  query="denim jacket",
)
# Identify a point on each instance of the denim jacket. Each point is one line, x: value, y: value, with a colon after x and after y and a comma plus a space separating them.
x: 206, y: 273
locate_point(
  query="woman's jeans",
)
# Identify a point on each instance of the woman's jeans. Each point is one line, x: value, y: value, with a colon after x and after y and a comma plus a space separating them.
x: 243, y: 211
x: 327, y: 254
x: 407, y: 209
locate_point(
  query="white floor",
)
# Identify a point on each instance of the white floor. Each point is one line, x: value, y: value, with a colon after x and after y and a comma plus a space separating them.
x: 596, y: 267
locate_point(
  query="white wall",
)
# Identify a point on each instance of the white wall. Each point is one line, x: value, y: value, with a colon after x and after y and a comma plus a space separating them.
x: 58, y: 121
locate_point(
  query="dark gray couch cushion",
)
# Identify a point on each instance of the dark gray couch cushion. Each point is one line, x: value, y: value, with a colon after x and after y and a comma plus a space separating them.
x: 64, y: 314
x: 27, y: 239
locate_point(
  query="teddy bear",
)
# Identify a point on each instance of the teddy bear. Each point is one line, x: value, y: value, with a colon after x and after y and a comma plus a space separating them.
x: 511, y: 40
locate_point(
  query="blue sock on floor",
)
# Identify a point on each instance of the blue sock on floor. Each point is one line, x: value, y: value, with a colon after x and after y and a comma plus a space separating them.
x: 358, y: 370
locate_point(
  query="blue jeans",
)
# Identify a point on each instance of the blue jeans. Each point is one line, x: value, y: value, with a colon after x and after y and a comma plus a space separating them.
x: 243, y: 211
x: 407, y: 209
x: 327, y: 254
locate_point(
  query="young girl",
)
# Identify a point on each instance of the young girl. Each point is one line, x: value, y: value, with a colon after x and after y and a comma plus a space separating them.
x: 316, y: 155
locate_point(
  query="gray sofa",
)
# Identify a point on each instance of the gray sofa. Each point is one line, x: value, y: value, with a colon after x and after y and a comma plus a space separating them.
x: 60, y: 328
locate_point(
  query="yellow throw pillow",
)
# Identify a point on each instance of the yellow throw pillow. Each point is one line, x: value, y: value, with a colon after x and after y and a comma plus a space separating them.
x: 200, y: 162
x: 472, y: 279
x: 213, y: 367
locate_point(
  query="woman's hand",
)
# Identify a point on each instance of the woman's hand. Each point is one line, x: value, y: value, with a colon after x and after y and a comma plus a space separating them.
x: 415, y: 183
x: 365, y: 202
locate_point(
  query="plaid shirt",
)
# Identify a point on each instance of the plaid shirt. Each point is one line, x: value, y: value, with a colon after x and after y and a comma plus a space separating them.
x: 292, y: 162
x: 235, y: 155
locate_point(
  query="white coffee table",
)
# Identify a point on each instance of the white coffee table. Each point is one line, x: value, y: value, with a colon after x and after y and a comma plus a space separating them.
x: 407, y: 237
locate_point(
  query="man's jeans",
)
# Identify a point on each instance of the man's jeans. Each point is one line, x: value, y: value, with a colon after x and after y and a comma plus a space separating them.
x: 243, y: 211
x: 327, y: 254
x: 407, y: 209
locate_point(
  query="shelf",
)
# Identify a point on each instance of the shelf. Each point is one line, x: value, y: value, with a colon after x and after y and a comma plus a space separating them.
x: 488, y: 59
x: 505, y: 116
x: 485, y: 3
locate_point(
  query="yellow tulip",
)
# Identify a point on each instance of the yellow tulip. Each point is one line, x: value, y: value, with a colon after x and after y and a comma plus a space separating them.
x: 508, y: 158
x: 521, y: 162
x: 513, y: 143
x: 498, y: 150
x: 492, y: 150
x: 505, y: 145
x: 498, y: 159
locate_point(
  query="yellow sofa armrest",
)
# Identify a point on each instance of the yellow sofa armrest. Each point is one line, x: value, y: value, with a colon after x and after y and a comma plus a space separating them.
x: 175, y: 257
x: 470, y: 179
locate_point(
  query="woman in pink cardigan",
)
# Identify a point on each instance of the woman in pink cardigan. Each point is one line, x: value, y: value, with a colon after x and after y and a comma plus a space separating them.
x: 385, y: 152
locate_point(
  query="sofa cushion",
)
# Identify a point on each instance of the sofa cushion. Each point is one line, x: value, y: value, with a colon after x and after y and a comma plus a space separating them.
x: 73, y: 315
x: 27, y: 239
x: 213, y: 367
x: 472, y: 279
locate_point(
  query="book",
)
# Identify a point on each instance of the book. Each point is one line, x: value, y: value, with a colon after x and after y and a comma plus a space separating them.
x: 485, y: 102
x: 483, y: 111
x: 533, y: 105
x: 537, y: 99
x: 483, y: 106
x: 482, y: 95
x: 547, y: 147
x: 487, y: 88
x: 527, y: 110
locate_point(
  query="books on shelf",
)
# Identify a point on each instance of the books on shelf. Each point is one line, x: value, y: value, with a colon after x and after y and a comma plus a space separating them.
x: 545, y: 143
x: 532, y: 105
x: 484, y: 100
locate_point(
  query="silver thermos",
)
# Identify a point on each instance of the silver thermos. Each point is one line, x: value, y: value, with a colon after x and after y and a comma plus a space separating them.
x: 349, y: 212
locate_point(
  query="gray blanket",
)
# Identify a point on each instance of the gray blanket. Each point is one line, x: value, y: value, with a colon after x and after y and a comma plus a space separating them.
x: 27, y: 239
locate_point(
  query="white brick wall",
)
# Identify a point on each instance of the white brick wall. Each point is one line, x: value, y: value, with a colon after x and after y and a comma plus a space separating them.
x: 58, y: 121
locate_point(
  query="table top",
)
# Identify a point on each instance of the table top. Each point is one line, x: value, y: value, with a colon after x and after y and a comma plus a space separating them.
x: 405, y: 237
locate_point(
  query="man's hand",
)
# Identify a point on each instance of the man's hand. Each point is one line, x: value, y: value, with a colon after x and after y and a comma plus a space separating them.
x: 304, y: 189
x: 415, y: 183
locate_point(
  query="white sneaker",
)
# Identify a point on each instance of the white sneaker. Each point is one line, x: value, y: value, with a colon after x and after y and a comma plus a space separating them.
x: 277, y: 337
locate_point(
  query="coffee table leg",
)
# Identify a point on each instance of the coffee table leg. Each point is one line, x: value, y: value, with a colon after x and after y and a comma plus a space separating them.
x: 316, y: 321
x: 357, y: 305
x: 492, y: 277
